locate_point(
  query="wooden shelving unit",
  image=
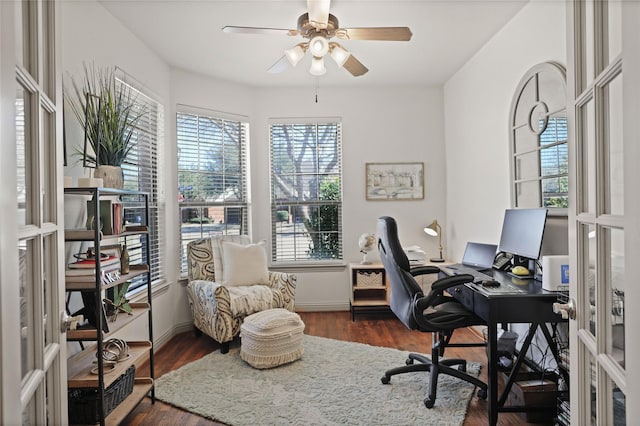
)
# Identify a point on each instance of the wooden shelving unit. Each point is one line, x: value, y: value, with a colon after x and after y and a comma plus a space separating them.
x: 85, y: 370
x: 369, y: 288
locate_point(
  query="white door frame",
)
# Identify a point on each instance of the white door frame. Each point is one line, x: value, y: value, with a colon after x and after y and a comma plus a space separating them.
x: 597, y: 214
x: 37, y: 395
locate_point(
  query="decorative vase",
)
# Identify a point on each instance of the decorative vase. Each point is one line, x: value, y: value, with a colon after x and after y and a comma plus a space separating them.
x: 112, y: 176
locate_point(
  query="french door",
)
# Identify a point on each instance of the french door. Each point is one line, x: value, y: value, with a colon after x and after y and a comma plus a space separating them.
x: 604, y: 94
x: 33, y: 348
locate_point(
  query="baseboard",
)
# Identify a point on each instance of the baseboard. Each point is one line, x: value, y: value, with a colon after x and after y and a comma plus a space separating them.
x: 321, y: 307
x: 175, y: 330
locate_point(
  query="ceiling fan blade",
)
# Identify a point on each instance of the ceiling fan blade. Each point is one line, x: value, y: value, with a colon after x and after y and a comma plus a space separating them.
x: 280, y: 66
x: 257, y: 30
x: 375, y: 33
x: 318, y: 13
x: 355, y: 67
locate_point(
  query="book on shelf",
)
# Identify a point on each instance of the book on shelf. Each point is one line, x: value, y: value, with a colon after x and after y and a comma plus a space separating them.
x: 106, y: 275
x: 91, y: 263
x: 80, y: 234
x: 111, y: 216
x: 136, y: 228
x: 90, y: 272
x: 117, y: 218
x: 106, y: 216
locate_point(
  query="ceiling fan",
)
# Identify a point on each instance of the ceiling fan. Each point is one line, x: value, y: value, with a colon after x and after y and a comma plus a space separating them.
x: 319, y: 27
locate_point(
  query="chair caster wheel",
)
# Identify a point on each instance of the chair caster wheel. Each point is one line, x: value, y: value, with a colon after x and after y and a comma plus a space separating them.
x: 385, y: 380
x: 428, y: 402
x: 482, y: 393
x: 409, y: 361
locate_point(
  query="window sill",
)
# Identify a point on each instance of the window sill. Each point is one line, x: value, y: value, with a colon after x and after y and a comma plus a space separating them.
x: 338, y: 266
x: 140, y: 294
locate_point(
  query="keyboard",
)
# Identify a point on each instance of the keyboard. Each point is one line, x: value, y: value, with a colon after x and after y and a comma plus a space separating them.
x: 460, y: 269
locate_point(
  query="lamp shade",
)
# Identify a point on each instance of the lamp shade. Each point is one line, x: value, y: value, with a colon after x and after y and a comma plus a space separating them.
x: 317, y: 66
x: 318, y: 46
x: 433, y: 229
x: 339, y: 54
x: 295, y: 54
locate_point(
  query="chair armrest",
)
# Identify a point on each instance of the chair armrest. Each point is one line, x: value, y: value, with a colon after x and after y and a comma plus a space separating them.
x: 435, y: 296
x: 286, y: 283
x: 447, y: 282
x: 422, y: 270
x: 210, y: 305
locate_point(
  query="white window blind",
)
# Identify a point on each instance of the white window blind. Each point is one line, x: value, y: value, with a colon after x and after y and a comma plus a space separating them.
x: 306, y: 191
x: 141, y: 173
x: 212, y: 176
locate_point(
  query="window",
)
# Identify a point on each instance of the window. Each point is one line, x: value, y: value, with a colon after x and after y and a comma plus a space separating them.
x: 539, y: 152
x: 212, y: 176
x: 141, y: 173
x: 306, y: 191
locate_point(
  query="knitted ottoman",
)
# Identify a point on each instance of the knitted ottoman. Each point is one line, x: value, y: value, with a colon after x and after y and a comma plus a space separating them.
x: 271, y: 338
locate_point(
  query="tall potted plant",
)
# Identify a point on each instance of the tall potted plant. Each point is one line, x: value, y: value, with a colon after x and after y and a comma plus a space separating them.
x: 109, y: 115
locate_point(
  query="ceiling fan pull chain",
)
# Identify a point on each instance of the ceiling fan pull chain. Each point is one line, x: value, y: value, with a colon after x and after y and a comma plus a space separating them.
x: 317, y: 85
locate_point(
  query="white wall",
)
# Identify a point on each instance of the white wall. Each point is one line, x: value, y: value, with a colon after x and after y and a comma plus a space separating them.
x: 379, y: 125
x: 90, y: 34
x: 476, y: 107
x: 407, y: 126
x: 466, y: 179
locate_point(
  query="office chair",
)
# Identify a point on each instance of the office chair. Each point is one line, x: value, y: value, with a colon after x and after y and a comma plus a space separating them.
x: 435, y: 313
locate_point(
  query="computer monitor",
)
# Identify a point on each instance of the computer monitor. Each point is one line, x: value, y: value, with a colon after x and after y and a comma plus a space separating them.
x: 522, y: 231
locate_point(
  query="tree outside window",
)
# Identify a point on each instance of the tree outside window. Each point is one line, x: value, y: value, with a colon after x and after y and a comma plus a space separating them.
x: 306, y: 191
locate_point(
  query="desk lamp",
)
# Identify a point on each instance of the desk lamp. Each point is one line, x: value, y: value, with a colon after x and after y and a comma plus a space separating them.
x: 435, y: 230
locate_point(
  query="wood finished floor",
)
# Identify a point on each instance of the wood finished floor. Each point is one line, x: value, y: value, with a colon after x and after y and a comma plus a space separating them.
x: 379, y: 330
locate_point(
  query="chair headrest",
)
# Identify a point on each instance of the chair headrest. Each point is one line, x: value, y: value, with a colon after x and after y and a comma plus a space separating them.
x: 389, y: 244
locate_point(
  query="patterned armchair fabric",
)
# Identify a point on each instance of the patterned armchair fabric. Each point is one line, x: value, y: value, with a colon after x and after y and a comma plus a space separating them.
x: 218, y: 311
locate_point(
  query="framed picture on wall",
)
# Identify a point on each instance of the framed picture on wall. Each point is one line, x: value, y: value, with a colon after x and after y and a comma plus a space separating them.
x: 394, y: 181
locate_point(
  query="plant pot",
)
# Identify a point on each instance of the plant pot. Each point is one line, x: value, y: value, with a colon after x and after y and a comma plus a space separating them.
x: 112, y: 176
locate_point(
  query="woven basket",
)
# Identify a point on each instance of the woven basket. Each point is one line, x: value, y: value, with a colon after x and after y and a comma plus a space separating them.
x: 83, y: 402
x: 369, y: 279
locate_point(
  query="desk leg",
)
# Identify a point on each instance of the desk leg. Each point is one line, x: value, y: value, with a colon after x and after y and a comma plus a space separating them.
x: 492, y: 373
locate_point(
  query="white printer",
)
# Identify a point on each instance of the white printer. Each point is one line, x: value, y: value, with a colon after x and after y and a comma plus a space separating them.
x: 416, y: 255
x: 555, y: 272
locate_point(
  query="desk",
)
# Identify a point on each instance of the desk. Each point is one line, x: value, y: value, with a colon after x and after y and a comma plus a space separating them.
x: 533, y: 305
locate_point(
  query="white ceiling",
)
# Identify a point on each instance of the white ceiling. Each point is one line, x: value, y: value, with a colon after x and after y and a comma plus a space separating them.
x: 187, y: 34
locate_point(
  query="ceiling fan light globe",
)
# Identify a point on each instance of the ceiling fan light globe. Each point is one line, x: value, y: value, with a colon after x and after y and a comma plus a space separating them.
x: 339, y: 55
x: 294, y: 55
x: 317, y: 66
x: 318, y: 46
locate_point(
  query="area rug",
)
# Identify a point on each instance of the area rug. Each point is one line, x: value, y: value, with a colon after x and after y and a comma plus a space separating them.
x: 334, y: 383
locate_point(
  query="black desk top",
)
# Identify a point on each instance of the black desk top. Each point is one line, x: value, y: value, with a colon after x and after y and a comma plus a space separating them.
x: 515, y: 300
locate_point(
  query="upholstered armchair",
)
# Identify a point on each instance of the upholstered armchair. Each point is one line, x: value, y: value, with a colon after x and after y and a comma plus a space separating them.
x: 228, y: 281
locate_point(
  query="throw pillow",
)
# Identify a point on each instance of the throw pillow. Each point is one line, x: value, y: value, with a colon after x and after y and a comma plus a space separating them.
x: 216, y: 248
x: 244, y: 265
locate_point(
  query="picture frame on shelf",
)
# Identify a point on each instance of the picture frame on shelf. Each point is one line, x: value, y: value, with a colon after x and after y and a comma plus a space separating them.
x: 89, y: 311
x: 109, y: 277
x: 394, y: 181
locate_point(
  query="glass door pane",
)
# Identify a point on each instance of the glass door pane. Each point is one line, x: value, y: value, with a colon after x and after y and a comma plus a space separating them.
x: 618, y: 414
x: 587, y: 150
x: 49, y: 190
x: 589, y: 268
x: 614, y: 26
x: 615, y: 165
x: 587, y: 67
x: 616, y: 343
x: 26, y: 254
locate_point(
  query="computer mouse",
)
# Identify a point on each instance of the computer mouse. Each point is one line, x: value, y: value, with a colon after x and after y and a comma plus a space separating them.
x: 519, y: 270
x: 490, y: 283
